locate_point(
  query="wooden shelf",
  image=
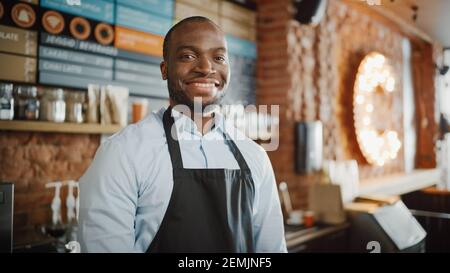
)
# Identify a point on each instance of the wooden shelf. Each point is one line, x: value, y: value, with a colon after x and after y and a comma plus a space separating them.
x: 399, y: 184
x: 53, y: 127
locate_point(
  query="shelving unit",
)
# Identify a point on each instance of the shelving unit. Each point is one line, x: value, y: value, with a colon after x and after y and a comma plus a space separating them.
x: 53, y: 127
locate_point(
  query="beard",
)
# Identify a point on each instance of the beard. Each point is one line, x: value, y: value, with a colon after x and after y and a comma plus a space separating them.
x: 180, y: 97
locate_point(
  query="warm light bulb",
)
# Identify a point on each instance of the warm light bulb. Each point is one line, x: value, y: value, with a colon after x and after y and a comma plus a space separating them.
x: 374, y: 74
x: 390, y: 84
x: 359, y: 99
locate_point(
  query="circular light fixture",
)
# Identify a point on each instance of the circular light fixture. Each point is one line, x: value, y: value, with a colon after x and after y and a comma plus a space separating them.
x: 372, y: 105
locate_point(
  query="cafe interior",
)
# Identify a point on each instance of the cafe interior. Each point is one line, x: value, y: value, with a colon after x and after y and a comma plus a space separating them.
x: 357, y: 126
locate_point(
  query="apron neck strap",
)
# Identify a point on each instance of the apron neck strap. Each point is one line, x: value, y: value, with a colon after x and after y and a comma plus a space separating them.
x: 172, y: 142
x: 174, y: 146
x: 236, y: 152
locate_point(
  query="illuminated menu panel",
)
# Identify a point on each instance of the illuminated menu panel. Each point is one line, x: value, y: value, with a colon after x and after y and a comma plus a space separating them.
x: 94, y: 9
x: 160, y: 7
x: 142, y: 20
x: 137, y: 41
x: 71, y: 56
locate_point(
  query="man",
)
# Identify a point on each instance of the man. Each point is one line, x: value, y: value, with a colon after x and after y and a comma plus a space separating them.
x: 192, y: 189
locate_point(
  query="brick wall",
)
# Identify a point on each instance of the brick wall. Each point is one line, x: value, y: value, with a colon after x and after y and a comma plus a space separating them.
x: 309, y: 72
x: 30, y: 160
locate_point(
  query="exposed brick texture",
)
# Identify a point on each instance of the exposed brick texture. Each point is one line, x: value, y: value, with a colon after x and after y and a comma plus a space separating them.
x: 30, y: 160
x: 310, y: 71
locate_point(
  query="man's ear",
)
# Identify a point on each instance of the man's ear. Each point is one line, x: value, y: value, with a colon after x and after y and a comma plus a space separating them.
x: 163, y: 67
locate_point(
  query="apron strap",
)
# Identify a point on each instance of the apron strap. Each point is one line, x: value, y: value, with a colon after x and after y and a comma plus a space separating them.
x: 236, y: 152
x: 174, y: 147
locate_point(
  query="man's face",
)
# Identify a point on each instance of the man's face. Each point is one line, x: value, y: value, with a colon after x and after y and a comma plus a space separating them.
x: 197, y: 64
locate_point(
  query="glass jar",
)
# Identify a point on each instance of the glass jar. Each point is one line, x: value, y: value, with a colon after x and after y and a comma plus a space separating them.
x: 27, y: 104
x: 53, y: 106
x: 74, y: 106
x: 6, y: 101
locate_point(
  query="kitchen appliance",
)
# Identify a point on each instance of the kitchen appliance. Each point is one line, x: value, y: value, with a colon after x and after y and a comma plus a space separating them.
x: 6, y: 216
x: 309, y: 147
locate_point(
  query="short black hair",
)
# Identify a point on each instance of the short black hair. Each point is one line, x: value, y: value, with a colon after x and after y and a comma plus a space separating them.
x: 191, y: 19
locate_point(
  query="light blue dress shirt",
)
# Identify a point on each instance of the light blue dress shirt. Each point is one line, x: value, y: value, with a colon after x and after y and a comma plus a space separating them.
x: 125, y: 192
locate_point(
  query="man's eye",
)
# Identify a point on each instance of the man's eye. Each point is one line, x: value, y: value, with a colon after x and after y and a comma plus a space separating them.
x: 220, y: 59
x: 187, y: 57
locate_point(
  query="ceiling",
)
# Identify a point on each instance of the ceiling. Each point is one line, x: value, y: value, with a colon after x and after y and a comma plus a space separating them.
x: 431, y: 16
x: 434, y: 18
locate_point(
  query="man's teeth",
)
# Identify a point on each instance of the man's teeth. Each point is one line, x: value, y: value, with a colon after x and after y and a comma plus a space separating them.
x: 204, y: 85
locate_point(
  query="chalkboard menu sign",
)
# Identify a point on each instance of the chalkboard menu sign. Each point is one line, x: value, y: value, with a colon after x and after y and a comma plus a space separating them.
x: 98, y: 41
x: 75, y: 43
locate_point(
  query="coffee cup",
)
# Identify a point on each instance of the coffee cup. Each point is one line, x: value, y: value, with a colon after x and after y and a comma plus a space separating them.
x: 295, y: 217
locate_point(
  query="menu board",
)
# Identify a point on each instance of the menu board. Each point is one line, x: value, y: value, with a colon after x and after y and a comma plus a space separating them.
x: 136, y: 41
x: 18, y: 41
x: 100, y: 10
x: 17, y: 68
x: 116, y: 42
x: 159, y: 7
x: 76, y: 45
x: 143, y: 20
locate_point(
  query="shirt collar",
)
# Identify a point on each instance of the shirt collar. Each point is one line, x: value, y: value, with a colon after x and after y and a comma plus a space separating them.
x: 186, y: 124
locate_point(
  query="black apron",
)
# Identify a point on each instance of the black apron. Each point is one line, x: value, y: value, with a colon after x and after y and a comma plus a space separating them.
x: 210, y: 210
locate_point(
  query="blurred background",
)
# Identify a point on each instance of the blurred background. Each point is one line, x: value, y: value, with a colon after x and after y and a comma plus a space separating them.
x: 361, y: 151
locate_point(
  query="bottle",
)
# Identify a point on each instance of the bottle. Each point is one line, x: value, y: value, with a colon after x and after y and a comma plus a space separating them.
x: 6, y: 102
x: 53, y: 105
x: 74, y: 106
x: 27, y: 103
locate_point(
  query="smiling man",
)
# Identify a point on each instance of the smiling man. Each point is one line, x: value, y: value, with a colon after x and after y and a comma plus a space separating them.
x: 195, y: 62
x: 203, y: 187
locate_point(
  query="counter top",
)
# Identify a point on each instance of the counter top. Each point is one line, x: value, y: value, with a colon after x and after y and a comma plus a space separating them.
x: 297, y: 235
x: 33, y: 241
x: 399, y: 184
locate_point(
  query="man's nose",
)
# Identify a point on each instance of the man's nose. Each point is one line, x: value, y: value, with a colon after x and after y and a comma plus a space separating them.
x: 205, y: 66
